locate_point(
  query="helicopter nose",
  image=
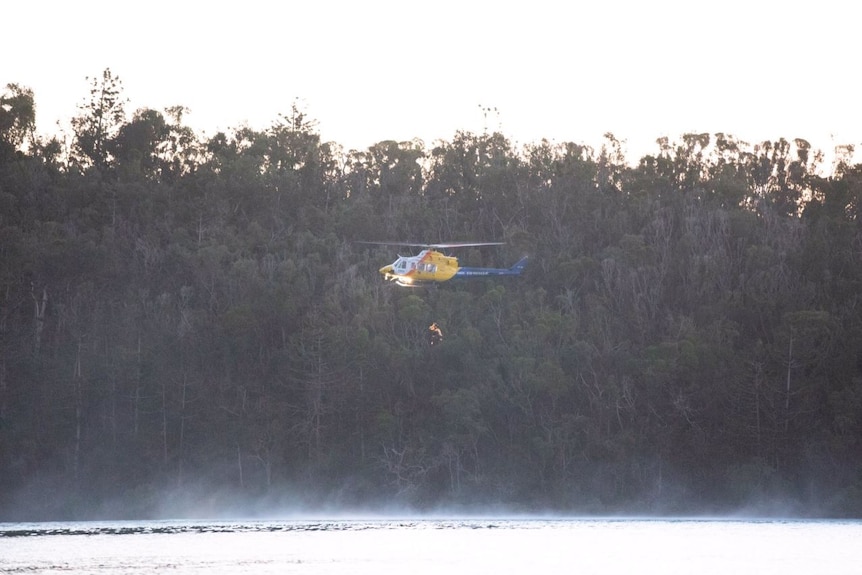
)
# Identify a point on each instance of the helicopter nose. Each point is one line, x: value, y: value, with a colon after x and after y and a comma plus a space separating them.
x: 386, y: 270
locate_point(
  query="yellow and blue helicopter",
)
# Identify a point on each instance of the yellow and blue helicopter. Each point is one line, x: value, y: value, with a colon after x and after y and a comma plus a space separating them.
x: 430, y: 266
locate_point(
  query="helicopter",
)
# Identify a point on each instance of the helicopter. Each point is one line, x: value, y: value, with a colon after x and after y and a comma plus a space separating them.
x: 430, y: 266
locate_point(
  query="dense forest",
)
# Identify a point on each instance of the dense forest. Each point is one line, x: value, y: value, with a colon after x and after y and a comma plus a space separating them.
x: 191, y: 325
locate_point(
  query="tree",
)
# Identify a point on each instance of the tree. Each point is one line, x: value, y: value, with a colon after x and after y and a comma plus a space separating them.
x: 101, y: 118
x: 17, y: 118
x: 136, y: 145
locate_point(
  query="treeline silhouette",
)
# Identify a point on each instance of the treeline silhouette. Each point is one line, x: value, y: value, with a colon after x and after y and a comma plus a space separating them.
x: 189, y: 325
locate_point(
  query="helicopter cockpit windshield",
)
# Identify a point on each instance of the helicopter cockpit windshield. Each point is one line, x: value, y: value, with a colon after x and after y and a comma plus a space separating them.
x: 402, y: 265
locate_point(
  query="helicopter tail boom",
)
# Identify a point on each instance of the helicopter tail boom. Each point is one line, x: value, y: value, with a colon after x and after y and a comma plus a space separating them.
x: 515, y: 270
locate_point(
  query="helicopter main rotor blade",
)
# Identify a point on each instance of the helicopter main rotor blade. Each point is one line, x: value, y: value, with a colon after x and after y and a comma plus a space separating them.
x: 435, y: 246
x: 464, y: 244
x: 391, y: 244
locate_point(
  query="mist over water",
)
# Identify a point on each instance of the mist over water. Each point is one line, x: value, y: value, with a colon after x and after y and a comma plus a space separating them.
x: 217, y: 531
x: 205, y: 502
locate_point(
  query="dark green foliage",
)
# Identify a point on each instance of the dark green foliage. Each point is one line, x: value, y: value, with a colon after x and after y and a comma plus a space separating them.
x: 190, y: 326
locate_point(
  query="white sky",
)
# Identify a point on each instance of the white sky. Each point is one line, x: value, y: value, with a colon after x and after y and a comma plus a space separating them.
x: 374, y: 70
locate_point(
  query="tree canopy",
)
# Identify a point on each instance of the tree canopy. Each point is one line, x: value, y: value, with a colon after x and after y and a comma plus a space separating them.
x: 190, y: 324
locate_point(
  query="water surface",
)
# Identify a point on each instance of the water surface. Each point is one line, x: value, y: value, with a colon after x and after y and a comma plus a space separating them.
x: 474, y: 546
